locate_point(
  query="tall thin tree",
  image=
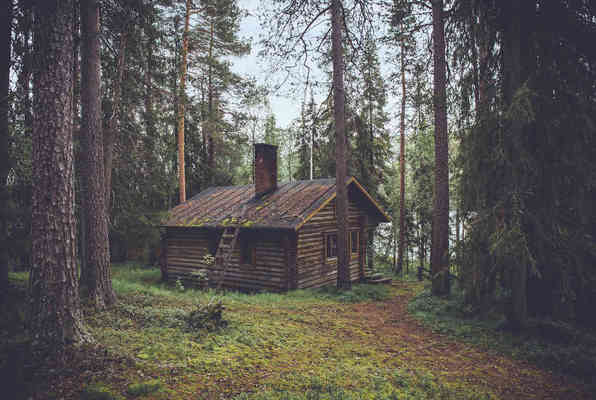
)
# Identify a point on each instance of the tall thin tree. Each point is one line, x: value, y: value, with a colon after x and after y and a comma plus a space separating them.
x: 4, y: 155
x: 440, y: 230
x: 341, y: 201
x: 98, y: 280
x: 402, y: 162
x: 54, y: 312
x: 181, y: 104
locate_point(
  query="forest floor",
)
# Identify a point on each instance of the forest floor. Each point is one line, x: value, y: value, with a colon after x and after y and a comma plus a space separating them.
x: 311, y: 344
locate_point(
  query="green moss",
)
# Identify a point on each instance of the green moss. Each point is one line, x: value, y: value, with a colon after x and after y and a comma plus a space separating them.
x: 98, y: 392
x: 144, y: 388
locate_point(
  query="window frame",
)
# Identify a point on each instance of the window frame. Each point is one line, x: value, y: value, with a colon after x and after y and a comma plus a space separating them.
x: 248, y: 253
x: 354, y: 254
x: 326, y: 248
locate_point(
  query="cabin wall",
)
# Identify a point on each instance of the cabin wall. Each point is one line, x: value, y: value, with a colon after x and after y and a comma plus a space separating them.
x: 313, y: 268
x: 186, y: 248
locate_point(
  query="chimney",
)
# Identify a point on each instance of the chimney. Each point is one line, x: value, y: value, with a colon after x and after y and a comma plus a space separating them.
x: 265, y: 168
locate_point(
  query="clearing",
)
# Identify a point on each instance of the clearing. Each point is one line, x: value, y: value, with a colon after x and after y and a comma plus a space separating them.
x: 312, y: 344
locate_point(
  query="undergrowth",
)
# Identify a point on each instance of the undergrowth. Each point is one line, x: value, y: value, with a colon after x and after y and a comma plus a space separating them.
x: 557, y: 345
x: 163, y: 342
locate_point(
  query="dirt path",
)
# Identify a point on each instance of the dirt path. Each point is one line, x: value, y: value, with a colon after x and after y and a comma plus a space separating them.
x: 408, y: 342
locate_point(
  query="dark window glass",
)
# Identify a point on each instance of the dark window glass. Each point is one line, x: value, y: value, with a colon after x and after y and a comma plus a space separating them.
x: 331, y: 240
x: 247, y: 253
x: 354, y: 241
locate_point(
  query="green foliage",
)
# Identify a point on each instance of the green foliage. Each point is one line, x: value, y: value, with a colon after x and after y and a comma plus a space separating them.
x: 528, y: 164
x: 208, y: 316
x: 144, y: 388
x: 555, y: 344
x: 382, y: 385
x: 358, y: 293
x: 98, y: 392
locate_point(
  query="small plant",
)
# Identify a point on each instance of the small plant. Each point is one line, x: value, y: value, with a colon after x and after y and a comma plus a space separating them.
x: 208, y: 259
x: 179, y: 285
x: 144, y: 388
x: 98, y: 392
x: 207, y: 316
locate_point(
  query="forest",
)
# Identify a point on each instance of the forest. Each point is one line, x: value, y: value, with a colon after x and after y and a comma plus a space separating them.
x: 470, y: 123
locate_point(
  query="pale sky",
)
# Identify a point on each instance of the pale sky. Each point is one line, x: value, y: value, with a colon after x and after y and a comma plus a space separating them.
x: 284, y: 108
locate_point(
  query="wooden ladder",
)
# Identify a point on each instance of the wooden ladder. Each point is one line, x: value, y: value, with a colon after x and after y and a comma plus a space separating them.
x: 227, y: 242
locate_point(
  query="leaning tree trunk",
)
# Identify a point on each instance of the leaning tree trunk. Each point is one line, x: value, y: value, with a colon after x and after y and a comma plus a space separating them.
x: 440, y: 238
x: 4, y: 160
x: 54, y: 312
x: 98, y: 280
x: 341, y: 201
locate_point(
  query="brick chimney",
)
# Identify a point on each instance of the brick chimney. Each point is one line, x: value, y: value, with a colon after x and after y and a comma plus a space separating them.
x: 265, y: 168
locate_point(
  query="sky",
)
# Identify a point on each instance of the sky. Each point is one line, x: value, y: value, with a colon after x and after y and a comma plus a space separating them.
x: 284, y: 108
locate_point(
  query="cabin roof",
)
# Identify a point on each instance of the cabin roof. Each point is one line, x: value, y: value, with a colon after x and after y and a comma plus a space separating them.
x: 289, y: 206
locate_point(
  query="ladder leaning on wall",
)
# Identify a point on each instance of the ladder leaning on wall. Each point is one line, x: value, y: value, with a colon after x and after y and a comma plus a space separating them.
x: 225, y: 249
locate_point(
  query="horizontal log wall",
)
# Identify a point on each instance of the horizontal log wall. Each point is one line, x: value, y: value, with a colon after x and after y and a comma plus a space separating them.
x: 186, y: 249
x: 313, y: 270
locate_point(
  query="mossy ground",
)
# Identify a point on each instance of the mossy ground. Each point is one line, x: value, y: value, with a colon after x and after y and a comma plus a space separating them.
x: 306, y: 344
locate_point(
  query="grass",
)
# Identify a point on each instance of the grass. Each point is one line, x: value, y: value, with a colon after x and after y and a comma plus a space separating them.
x: 275, y: 346
x: 302, y: 345
x: 556, y: 345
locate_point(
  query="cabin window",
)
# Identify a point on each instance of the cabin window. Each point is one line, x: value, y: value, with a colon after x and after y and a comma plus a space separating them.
x: 213, y: 243
x: 331, y: 245
x: 354, y: 242
x: 248, y: 253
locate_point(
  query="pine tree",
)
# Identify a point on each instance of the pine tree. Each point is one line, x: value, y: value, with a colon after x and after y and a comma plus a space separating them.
x: 440, y: 235
x: 54, y: 307
x: 98, y: 280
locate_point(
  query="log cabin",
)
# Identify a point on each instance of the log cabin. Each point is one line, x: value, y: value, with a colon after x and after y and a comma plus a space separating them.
x: 267, y: 237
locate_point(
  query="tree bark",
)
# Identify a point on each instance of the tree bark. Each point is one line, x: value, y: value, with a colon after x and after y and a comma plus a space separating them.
x: 4, y: 154
x: 109, y: 136
x: 98, y: 280
x: 402, y: 163
x: 54, y: 312
x: 210, y: 111
x: 181, y: 104
x: 341, y: 201
x: 440, y: 237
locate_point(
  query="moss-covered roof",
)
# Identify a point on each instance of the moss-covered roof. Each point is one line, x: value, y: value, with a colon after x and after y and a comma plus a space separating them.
x: 287, y: 207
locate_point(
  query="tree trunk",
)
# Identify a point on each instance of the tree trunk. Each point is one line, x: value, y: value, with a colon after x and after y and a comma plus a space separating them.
x: 98, y: 280
x: 110, y: 134
x: 440, y: 238
x: 402, y: 162
x: 341, y: 201
x: 210, y: 111
x: 181, y: 104
x: 54, y: 312
x: 4, y: 154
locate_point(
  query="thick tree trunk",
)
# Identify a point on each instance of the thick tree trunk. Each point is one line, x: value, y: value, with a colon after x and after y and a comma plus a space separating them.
x: 402, y: 163
x: 98, y: 280
x: 6, y: 22
x: 341, y: 201
x: 181, y: 105
x: 440, y: 238
x: 54, y: 314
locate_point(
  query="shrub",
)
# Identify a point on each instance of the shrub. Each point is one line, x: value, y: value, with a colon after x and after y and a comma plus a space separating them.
x: 98, y: 392
x: 207, y: 316
x: 144, y: 388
